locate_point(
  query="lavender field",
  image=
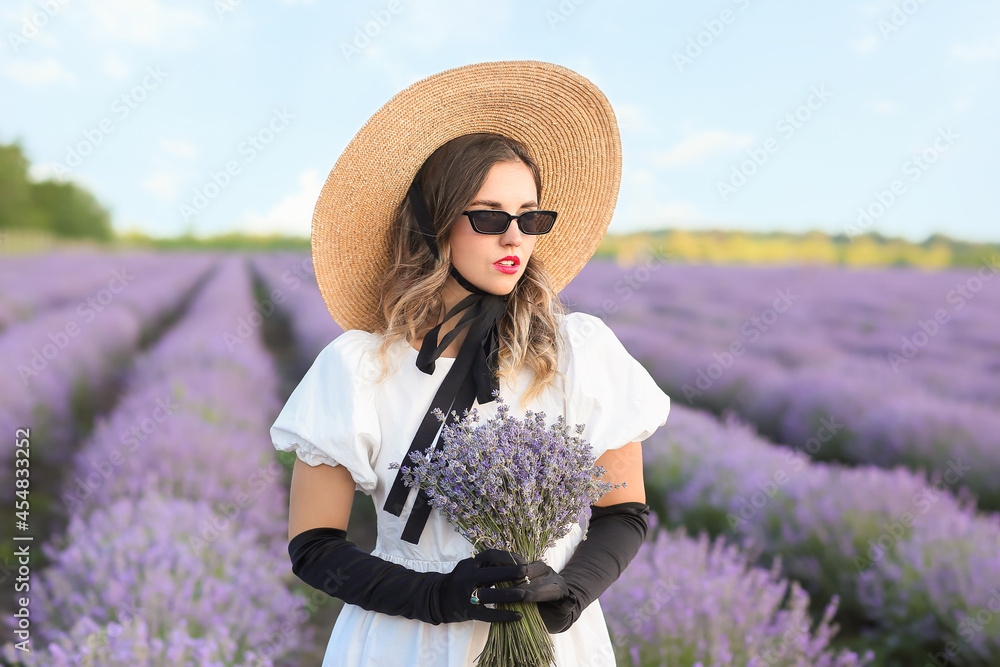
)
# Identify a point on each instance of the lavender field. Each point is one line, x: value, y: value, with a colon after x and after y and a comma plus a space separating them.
x: 824, y: 489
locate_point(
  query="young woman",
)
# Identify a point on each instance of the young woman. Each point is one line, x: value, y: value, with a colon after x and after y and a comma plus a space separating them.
x: 437, y: 250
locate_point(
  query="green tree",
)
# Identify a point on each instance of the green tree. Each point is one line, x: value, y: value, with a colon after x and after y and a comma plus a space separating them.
x: 72, y: 211
x: 61, y: 208
x: 17, y: 205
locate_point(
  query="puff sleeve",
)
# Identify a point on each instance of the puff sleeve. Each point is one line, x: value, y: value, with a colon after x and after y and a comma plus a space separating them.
x: 330, y: 416
x: 609, y: 391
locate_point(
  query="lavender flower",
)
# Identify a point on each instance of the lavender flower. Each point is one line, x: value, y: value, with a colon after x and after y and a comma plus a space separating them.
x: 826, y: 353
x: 908, y: 558
x: 507, y: 484
x: 65, y: 362
x: 515, y: 486
x: 292, y: 275
x: 175, y: 551
x: 685, y: 601
x: 133, y: 571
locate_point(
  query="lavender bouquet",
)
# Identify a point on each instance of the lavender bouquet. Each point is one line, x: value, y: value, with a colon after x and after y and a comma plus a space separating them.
x: 510, y: 485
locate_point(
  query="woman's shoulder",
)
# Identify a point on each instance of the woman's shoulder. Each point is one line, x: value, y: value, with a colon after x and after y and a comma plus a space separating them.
x: 593, y: 352
x: 358, y: 352
x: 609, y: 390
x: 354, y: 350
x: 586, y: 334
x: 348, y: 342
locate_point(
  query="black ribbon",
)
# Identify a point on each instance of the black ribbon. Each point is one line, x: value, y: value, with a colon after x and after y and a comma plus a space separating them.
x: 472, y: 377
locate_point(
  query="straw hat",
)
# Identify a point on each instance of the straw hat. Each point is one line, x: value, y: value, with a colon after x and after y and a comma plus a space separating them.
x: 563, y: 119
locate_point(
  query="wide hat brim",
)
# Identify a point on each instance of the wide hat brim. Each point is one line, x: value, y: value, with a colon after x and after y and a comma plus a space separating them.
x: 564, y: 120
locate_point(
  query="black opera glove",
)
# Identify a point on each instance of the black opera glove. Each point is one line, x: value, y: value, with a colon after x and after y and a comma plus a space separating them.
x: 327, y: 561
x: 541, y: 583
x: 613, y: 539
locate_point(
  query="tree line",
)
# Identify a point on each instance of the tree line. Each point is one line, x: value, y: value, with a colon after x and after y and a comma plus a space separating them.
x: 60, y: 208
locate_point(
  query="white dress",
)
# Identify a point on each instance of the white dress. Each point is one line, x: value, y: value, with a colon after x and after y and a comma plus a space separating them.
x: 339, y: 415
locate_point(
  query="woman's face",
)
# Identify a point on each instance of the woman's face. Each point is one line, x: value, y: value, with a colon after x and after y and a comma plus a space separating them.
x: 510, y: 187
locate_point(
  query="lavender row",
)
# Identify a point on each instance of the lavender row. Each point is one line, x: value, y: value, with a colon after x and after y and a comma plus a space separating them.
x: 63, y: 363
x: 36, y: 283
x: 689, y: 601
x: 871, y: 424
x: 902, y: 553
x: 783, y: 379
x: 140, y: 583
x: 913, y: 327
x: 291, y: 283
x: 176, y: 544
x: 201, y: 394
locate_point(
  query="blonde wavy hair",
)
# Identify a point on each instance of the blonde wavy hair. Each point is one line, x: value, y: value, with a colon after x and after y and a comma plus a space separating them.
x: 412, y: 303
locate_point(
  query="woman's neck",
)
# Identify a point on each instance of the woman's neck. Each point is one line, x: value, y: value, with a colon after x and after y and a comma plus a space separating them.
x: 452, y: 350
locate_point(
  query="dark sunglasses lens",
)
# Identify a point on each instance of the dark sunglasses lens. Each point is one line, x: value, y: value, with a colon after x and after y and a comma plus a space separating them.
x: 537, y: 222
x: 490, y: 222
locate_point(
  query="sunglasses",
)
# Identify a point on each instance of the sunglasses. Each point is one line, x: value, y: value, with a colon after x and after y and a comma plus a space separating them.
x: 497, y: 222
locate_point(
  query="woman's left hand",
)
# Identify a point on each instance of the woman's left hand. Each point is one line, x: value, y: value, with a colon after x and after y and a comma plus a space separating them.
x: 542, y: 583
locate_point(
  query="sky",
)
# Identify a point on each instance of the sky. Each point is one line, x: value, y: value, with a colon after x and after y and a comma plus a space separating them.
x: 844, y: 117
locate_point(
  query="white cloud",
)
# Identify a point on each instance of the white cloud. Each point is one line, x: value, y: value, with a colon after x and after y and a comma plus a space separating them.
x: 976, y: 52
x: 293, y: 214
x: 179, y: 148
x: 52, y: 171
x: 145, y: 22
x: 678, y: 212
x: 650, y: 213
x: 633, y: 118
x: 885, y: 107
x: 162, y: 183
x: 864, y: 45
x: 961, y: 104
x: 702, y: 146
x: 435, y: 25
x: 879, y: 8
x: 115, y: 65
x: 384, y: 42
x: 639, y: 176
x: 30, y: 25
x: 34, y: 73
x: 42, y: 171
